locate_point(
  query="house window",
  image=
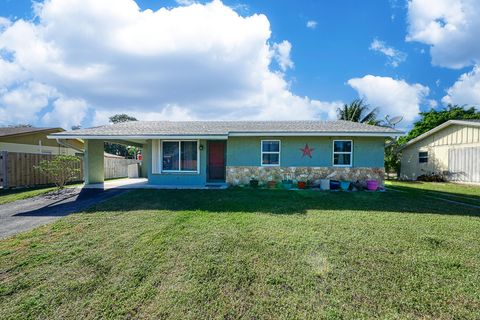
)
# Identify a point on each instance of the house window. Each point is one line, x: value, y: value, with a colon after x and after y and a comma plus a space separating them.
x: 342, y: 153
x: 180, y: 156
x: 270, y: 152
x: 423, y: 157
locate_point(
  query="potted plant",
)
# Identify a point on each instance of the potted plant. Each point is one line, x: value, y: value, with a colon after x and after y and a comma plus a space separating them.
x: 334, y: 184
x: 302, y: 183
x: 253, y: 182
x: 344, y: 185
x: 372, y: 185
x: 325, y: 184
x: 271, y: 183
x: 287, y: 183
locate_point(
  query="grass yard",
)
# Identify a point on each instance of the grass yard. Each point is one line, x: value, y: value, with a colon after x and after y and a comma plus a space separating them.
x: 7, y: 196
x: 11, y: 195
x: 450, y: 191
x: 252, y: 254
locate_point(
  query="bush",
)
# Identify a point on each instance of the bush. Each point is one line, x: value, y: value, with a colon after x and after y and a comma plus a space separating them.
x: 62, y: 169
x: 432, y: 177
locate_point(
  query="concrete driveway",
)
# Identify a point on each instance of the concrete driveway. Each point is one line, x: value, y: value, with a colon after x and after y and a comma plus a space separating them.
x: 27, y: 214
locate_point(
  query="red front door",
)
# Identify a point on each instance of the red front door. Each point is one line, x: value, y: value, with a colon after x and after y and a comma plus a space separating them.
x: 216, y: 160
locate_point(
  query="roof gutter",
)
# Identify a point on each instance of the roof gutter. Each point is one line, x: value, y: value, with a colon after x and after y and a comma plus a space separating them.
x: 232, y: 134
x: 137, y: 137
x: 316, y: 134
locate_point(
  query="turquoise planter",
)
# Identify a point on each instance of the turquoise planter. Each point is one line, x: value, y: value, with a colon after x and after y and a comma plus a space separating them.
x: 344, y: 185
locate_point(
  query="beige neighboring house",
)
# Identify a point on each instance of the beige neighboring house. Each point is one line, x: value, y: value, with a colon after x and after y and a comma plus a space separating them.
x: 452, y: 148
x: 34, y: 140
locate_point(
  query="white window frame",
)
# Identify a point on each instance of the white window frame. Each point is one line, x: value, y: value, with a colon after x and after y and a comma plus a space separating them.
x: 420, y: 157
x: 270, y: 152
x: 342, y: 152
x: 179, y: 157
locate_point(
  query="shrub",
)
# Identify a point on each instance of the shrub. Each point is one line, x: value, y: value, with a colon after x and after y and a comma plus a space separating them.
x: 62, y: 169
x: 432, y: 177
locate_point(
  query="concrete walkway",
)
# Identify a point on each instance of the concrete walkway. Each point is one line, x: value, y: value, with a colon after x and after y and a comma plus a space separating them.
x: 27, y: 214
x: 142, y: 183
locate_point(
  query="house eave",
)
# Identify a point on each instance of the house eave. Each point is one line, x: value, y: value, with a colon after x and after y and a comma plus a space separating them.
x: 138, y: 137
x: 231, y: 134
x: 315, y: 134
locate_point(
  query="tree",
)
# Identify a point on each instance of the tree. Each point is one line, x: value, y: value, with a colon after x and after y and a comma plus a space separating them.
x: 358, y: 111
x: 433, y: 118
x: 62, y: 169
x: 392, y: 159
x: 119, y: 149
x: 118, y: 118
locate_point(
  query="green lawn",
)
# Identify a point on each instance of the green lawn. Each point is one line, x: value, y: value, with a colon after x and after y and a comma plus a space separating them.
x: 450, y: 191
x: 251, y: 254
x: 7, y: 196
x: 11, y: 195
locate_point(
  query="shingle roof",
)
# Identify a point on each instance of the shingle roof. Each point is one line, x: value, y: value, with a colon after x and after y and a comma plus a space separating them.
x: 225, y: 128
x: 10, y: 131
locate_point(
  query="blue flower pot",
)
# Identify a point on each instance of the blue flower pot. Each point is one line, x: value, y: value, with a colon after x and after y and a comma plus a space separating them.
x: 344, y: 185
x: 334, y: 185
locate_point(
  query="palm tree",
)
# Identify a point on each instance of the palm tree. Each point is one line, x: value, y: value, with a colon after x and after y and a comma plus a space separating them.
x: 358, y: 111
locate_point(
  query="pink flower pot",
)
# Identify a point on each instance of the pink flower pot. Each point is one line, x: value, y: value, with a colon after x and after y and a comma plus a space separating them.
x: 372, y: 185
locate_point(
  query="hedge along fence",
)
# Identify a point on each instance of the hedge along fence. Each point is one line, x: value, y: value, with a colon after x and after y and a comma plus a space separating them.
x: 18, y: 169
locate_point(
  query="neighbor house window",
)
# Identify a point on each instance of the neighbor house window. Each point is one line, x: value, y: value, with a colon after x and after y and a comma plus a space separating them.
x: 342, y: 153
x: 423, y: 157
x: 179, y: 156
x: 270, y: 152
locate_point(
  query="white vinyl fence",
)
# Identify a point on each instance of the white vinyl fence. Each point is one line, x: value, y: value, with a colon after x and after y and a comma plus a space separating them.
x: 117, y: 167
x: 464, y: 164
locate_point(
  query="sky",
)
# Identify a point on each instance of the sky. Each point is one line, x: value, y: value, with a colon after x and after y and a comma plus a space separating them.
x: 78, y: 62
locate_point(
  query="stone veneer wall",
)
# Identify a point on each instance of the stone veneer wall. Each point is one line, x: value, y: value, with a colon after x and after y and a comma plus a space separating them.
x: 242, y: 175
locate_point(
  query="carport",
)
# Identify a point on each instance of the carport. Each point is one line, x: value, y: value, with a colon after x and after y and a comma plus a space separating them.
x: 94, y: 159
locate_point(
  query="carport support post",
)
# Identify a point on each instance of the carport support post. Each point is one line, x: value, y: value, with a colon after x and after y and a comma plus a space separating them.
x: 93, y: 161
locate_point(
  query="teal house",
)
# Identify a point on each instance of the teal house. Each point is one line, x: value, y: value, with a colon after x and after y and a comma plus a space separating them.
x: 202, y: 153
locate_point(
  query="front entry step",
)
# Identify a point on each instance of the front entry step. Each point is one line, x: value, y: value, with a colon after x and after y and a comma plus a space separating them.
x: 216, y: 186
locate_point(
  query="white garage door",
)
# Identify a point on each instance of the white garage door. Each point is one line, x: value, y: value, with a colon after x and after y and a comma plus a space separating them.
x: 464, y: 164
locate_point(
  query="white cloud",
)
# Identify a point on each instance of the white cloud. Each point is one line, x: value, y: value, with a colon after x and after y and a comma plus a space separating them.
x: 466, y: 90
x: 66, y: 113
x: 311, y: 24
x: 23, y: 103
x: 450, y: 27
x: 4, y: 22
x: 282, y: 54
x: 394, y: 56
x: 392, y: 97
x: 202, y: 61
x: 432, y: 103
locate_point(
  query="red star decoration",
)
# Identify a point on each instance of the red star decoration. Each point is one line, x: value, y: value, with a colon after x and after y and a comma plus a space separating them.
x: 307, y: 151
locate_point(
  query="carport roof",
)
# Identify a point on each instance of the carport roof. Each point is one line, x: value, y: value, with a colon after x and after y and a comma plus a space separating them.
x: 157, y: 129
